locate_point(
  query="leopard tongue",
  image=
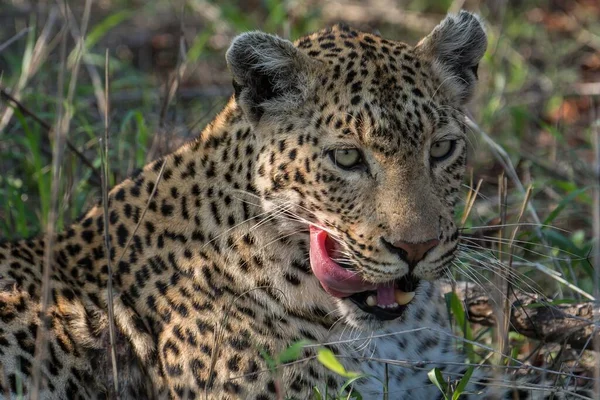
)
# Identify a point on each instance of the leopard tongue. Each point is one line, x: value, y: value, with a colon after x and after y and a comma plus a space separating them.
x: 341, y: 282
x: 337, y: 281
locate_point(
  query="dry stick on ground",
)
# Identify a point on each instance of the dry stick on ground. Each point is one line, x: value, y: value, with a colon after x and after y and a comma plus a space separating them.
x: 95, y: 178
x: 530, y: 315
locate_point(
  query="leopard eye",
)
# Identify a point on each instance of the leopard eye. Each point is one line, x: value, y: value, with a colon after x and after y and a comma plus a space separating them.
x: 441, y: 150
x: 346, y: 158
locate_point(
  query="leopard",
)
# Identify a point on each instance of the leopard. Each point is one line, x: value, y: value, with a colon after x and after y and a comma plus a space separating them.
x: 317, y: 208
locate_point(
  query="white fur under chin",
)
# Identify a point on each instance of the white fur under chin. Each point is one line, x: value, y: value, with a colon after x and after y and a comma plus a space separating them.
x: 402, y: 343
x: 405, y: 346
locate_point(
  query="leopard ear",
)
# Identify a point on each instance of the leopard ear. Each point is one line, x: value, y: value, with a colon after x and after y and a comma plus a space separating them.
x: 270, y: 75
x: 456, y: 46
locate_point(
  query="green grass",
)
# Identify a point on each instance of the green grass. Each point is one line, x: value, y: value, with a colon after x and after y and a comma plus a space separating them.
x: 526, y: 77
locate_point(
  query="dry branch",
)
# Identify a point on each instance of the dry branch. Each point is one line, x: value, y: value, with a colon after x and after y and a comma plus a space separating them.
x: 531, y: 315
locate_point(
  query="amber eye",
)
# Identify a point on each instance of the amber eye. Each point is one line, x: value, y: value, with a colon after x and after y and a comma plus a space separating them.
x: 441, y: 150
x: 346, y: 158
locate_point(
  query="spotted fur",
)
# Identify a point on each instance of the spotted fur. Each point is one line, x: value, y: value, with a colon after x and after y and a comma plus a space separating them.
x: 209, y: 245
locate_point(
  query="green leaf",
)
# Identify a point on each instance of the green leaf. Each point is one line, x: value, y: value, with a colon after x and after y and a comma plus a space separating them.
x: 99, y: 31
x: 462, y: 384
x: 568, y: 199
x: 329, y: 360
x: 514, y: 355
x: 352, y: 393
x: 317, y: 394
x: 198, y: 46
x: 435, y: 376
x: 38, y: 165
x: 556, y: 302
x: 578, y: 238
x: 292, y: 353
x: 105, y: 26
x: 271, y: 364
x: 461, y: 319
x: 558, y: 240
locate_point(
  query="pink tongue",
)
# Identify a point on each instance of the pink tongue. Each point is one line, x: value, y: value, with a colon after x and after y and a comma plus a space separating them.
x: 338, y: 281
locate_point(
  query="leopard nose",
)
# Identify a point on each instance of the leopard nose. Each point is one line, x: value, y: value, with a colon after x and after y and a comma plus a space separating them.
x: 411, y: 253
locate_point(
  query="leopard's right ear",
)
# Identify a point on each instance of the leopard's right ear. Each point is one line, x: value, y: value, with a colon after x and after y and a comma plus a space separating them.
x: 270, y: 75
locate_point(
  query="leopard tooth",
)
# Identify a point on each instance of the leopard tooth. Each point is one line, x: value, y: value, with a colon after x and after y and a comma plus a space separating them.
x: 371, y: 301
x: 403, y: 298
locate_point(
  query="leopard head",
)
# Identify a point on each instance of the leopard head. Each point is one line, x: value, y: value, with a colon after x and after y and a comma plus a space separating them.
x: 363, y: 149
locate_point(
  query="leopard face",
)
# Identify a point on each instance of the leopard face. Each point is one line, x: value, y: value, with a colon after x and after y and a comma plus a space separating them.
x: 362, y: 150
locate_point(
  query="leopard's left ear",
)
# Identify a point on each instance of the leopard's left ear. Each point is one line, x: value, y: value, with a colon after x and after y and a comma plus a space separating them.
x: 455, y: 47
x: 270, y: 75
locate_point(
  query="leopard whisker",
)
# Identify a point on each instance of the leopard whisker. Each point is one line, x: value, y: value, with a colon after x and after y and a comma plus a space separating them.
x: 489, y: 239
x: 478, y: 249
x: 506, y: 273
x: 507, y: 225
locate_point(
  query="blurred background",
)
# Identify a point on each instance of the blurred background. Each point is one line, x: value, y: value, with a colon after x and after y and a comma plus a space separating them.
x: 537, y: 108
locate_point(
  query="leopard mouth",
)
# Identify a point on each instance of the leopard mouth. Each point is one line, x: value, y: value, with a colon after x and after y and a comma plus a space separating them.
x: 385, y: 301
x: 404, y: 291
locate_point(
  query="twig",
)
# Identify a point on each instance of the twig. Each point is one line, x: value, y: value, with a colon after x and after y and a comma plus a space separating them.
x: 471, y: 198
x: 109, y: 288
x: 13, y: 39
x: 57, y: 155
x: 24, y: 110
